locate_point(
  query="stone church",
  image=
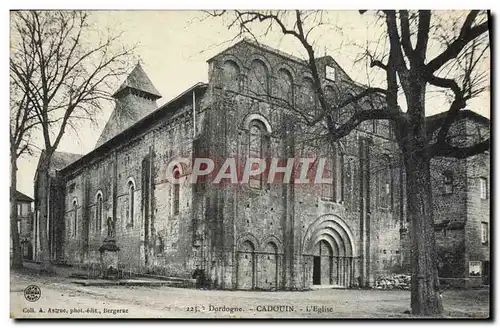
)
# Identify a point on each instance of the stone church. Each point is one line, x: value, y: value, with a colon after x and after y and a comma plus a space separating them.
x: 258, y: 235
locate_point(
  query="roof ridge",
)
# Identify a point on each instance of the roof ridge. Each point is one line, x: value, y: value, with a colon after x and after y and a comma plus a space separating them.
x: 141, y: 121
x: 275, y: 50
x: 264, y: 47
x: 66, y: 152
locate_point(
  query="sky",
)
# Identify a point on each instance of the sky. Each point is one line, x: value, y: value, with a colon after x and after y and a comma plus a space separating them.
x: 173, y: 47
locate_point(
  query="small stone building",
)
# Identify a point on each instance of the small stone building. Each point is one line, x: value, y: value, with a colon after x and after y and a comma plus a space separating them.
x: 24, y: 224
x: 257, y: 235
x: 462, y: 220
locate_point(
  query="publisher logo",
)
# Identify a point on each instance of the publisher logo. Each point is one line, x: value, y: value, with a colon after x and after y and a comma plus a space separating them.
x: 32, y: 293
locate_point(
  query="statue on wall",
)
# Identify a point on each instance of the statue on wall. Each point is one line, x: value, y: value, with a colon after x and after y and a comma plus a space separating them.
x: 109, y: 243
x: 111, y: 227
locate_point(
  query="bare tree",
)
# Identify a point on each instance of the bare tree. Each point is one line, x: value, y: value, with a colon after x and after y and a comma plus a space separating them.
x: 454, y: 70
x: 72, y: 66
x: 22, y: 124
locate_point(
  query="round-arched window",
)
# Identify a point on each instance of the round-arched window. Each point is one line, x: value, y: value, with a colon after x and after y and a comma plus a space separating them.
x: 230, y: 76
x: 285, y: 85
x: 258, y: 80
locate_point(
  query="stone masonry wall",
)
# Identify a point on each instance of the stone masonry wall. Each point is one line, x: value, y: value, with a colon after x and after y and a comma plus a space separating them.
x: 478, y: 212
x: 165, y: 244
x: 283, y: 213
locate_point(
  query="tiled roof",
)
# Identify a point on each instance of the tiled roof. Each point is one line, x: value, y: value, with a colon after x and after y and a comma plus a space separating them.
x: 59, y: 160
x: 129, y: 110
x: 160, y: 113
x: 22, y: 197
x: 139, y: 80
x: 62, y: 159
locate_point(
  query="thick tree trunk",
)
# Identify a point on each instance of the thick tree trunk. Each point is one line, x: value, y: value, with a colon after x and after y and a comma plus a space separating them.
x: 425, y: 296
x: 43, y: 187
x: 17, y: 261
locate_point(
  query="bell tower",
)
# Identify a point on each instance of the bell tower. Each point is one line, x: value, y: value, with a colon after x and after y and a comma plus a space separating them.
x: 134, y: 99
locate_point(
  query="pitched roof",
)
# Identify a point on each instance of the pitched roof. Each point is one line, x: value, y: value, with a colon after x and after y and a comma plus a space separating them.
x: 264, y: 47
x: 126, y: 113
x: 59, y: 160
x: 130, y: 109
x: 22, y: 197
x: 122, y: 137
x: 138, y: 80
x: 62, y: 159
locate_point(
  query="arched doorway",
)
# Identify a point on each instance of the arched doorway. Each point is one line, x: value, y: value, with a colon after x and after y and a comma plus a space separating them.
x: 329, y: 253
x: 269, y: 266
x: 246, y: 266
x: 322, y: 263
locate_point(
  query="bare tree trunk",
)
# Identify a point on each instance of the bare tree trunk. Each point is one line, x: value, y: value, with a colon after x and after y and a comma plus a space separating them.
x: 43, y: 190
x: 425, y: 296
x: 17, y: 261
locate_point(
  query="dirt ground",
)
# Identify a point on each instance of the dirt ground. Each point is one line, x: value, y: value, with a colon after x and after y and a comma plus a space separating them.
x: 60, y: 298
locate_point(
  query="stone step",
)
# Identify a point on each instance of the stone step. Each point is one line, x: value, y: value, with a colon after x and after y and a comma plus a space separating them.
x: 130, y: 282
x: 139, y: 278
x: 170, y: 278
x: 316, y: 287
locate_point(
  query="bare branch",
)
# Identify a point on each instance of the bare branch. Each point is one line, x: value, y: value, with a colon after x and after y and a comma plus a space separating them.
x: 378, y: 63
x: 71, y: 76
x: 424, y: 20
x: 467, y: 34
x: 359, y: 117
x: 405, y: 33
x: 446, y: 150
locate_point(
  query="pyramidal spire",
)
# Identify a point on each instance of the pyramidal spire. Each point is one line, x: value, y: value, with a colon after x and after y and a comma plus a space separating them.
x: 138, y: 80
x: 134, y: 99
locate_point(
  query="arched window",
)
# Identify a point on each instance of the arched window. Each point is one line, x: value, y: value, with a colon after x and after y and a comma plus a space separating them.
x: 331, y: 98
x: 231, y: 76
x: 159, y: 246
x: 448, y: 182
x: 348, y: 110
x: 75, y: 217
x: 483, y: 187
x: 257, y: 148
x: 309, y: 99
x: 256, y: 136
x: 328, y: 190
x: 285, y: 85
x: 330, y: 95
x: 341, y: 170
x: 176, y: 191
x: 386, y: 184
x: 348, y: 182
x: 131, y: 205
x: 98, y: 212
x: 258, y: 83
